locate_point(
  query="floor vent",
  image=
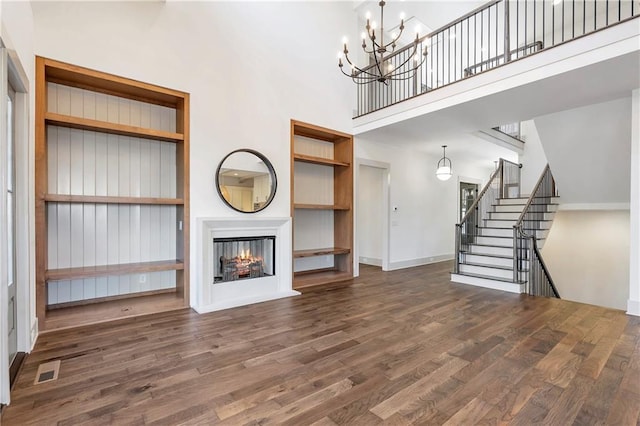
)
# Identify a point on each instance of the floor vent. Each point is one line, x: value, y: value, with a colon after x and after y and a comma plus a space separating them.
x: 47, y: 372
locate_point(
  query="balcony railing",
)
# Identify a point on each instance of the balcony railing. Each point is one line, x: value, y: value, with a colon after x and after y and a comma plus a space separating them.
x: 499, y: 32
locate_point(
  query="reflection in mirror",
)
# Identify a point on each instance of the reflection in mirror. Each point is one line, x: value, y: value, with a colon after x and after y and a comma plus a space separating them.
x: 246, y: 181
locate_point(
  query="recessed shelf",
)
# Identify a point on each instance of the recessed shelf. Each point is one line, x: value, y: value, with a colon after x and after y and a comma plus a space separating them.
x: 118, y: 269
x: 320, y: 252
x: 319, y: 160
x: 113, y: 128
x: 320, y: 207
x: 319, y: 276
x: 98, y: 199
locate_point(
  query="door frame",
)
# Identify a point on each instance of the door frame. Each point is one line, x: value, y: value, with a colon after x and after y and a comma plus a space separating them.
x: 12, y: 72
x: 465, y: 179
x: 386, y: 191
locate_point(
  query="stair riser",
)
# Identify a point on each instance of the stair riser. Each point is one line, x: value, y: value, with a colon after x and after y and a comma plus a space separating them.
x: 488, y: 261
x: 481, y: 282
x: 505, y: 224
x: 517, y: 208
x: 508, y: 224
x: 509, y: 208
x: 523, y: 201
x: 513, y: 201
x: 494, y: 241
x: 498, y: 251
x: 516, y: 216
x: 492, y: 232
x: 486, y: 270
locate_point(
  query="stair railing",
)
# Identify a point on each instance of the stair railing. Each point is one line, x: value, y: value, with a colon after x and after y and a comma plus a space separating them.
x: 503, y: 183
x: 527, y: 260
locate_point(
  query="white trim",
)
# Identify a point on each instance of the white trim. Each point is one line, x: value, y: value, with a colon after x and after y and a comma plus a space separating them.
x: 234, y: 303
x: 5, y: 397
x: 465, y: 180
x: 419, y: 261
x: 593, y: 206
x: 373, y: 261
x: 633, y: 307
x: 487, y: 283
x: 386, y: 191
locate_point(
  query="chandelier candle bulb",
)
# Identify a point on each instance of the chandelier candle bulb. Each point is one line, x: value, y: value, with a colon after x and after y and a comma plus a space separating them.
x: 387, y: 64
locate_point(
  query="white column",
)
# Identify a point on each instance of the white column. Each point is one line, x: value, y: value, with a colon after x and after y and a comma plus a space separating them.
x: 633, y: 304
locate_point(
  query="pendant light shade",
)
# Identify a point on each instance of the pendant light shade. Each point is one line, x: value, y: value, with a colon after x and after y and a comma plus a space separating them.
x: 444, y: 166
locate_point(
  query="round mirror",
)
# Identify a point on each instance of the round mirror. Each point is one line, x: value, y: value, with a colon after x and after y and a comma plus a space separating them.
x: 246, y: 181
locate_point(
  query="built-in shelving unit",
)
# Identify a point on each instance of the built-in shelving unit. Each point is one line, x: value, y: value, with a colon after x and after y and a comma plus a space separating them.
x: 112, y: 196
x: 321, y: 204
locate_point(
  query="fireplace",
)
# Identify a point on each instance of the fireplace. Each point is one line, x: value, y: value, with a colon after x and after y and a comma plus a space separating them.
x: 239, y: 258
x: 221, y: 245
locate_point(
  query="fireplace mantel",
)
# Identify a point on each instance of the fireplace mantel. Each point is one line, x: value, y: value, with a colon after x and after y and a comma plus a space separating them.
x: 211, y: 297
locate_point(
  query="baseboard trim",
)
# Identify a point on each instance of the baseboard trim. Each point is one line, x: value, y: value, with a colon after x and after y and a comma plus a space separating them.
x: 633, y: 307
x: 370, y: 261
x: 402, y: 264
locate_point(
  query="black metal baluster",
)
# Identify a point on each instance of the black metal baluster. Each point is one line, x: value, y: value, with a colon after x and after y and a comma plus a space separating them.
x: 573, y: 18
x: 606, y: 22
x: 517, y: 28
x: 553, y: 25
x: 584, y: 16
x: 562, y: 26
x: 526, y: 10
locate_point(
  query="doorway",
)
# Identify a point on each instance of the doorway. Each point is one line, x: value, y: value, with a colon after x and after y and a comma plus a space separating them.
x: 10, y: 223
x: 467, y: 196
x: 17, y: 334
x: 372, y: 213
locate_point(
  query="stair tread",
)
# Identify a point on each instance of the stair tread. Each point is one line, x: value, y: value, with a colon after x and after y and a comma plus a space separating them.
x: 487, y: 277
x: 497, y: 256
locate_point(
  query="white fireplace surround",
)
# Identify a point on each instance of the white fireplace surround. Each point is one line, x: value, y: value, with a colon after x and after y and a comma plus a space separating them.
x: 211, y: 297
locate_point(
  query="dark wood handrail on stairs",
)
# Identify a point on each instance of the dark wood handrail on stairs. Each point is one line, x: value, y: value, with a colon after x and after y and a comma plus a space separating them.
x: 525, y: 245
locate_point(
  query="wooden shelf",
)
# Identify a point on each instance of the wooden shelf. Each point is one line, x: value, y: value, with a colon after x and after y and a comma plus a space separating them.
x: 119, y: 269
x: 319, y: 276
x: 113, y: 128
x: 319, y: 160
x: 96, y: 313
x: 65, y: 198
x: 320, y: 252
x: 320, y: 207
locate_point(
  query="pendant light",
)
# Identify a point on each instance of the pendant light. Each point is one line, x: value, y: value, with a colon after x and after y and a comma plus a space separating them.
x: 444, y: 166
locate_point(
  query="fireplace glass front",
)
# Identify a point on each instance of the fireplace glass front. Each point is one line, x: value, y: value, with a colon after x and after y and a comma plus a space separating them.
x: 242, y: 258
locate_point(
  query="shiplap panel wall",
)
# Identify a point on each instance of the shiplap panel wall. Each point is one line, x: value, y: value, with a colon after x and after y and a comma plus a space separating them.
x: 91, y: 163
x: 313, y: 185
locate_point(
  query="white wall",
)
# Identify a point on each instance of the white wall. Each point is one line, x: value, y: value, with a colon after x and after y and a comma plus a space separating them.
x: 533, y: 159
x: 588, y: 150
x: 422, y: 230
x: 250, y: 68
x: 587, y: 253
x: 633, y: 305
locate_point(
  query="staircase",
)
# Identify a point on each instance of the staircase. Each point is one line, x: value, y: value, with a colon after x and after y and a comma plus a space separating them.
x: 488, y: 260
x: 497, y: 242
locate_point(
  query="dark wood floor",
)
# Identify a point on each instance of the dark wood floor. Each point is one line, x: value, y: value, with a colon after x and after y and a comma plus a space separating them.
x: 405, y: 347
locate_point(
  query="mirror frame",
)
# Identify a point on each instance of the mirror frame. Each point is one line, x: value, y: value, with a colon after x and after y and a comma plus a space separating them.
x: 272, y: 174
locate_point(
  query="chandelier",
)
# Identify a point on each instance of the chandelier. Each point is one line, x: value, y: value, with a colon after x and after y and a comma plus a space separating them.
x: 444, y: 166
x: 383, y: 67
